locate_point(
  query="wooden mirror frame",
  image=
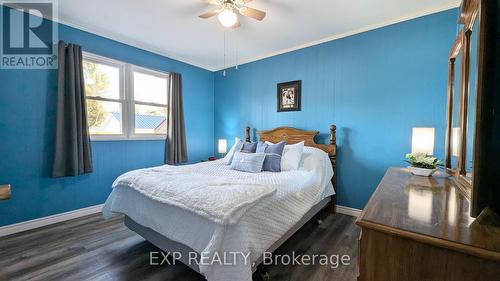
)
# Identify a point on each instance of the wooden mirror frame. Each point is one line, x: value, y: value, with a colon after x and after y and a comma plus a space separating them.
x: 454, y: 52
x: 470, y: 12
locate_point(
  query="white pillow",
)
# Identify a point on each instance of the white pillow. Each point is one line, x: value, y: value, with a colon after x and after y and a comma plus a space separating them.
x: 229, y: 156
x: 291, y: 156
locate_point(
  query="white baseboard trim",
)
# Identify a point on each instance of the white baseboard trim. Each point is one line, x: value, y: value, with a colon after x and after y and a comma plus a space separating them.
x: 40, y: 222
x: 348, y: 211
x: 36, y: 223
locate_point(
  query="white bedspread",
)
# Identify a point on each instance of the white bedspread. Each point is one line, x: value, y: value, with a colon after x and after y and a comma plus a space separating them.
x: 220, y: 198
x: 257, y: 228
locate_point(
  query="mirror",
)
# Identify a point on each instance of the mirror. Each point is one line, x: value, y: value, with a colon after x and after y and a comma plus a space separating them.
x: 470, y: 115
x: 463, y: 95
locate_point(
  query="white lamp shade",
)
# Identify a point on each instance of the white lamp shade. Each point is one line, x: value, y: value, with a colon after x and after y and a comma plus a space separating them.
x: 423, y: 141
x: 454, y: 141
x: 222, y: 146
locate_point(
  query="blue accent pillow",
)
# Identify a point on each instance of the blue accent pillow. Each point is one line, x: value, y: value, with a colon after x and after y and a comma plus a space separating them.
x: 248, y: 162
x: 249, y: 147
x: 273, y: 152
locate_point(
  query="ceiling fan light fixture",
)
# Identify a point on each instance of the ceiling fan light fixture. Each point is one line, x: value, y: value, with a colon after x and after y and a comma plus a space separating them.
x: 228, y: 17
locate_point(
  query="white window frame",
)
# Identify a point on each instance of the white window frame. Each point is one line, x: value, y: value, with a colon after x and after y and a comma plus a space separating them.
x: 126, y: 98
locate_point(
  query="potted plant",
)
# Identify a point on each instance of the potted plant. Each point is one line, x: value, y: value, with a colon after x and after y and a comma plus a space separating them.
x: 422, y: 164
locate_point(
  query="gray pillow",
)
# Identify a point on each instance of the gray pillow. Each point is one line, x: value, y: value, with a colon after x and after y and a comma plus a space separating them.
x: 261, y: 147
x: 249, y: 147
x: 248, y: 162
x: 273, y: 152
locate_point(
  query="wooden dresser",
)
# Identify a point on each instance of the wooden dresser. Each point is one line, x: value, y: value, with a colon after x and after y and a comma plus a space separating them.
x: 419, y: 229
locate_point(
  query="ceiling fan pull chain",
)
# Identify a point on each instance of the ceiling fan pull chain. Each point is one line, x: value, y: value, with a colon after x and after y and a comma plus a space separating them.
x: 237, y: 50
x: 224, y: 72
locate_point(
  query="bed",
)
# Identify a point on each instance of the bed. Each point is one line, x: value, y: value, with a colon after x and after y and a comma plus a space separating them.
x: 265, y: 208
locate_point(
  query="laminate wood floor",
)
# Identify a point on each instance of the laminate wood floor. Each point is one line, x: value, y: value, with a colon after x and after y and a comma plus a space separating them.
x: 91, y: 248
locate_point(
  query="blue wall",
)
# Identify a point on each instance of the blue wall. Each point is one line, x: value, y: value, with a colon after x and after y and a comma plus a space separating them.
x: 374, y: 86
x: 27, y: 118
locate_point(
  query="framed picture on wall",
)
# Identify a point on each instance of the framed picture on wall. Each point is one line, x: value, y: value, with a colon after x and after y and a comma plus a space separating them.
x: 289, y: 96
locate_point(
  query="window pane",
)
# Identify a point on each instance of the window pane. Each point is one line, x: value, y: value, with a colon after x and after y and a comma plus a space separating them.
x: 150, y: 119
x: 101, y: 80
x: 104, y: 117
x: 149, y: 88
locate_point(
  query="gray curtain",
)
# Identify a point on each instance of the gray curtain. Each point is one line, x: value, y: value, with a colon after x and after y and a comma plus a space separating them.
x: 72, y: 155
x: 175, y: 145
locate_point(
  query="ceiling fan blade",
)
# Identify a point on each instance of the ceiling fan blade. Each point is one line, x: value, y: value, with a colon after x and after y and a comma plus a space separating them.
x: 211, y: 2
x: 253, y: 13
x: 209, y: 14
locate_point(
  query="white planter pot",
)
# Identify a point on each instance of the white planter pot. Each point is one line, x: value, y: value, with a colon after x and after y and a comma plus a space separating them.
x: 422, y: 172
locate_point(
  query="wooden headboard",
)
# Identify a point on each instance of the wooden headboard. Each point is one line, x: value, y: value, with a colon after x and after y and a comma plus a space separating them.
x: 292, y: 135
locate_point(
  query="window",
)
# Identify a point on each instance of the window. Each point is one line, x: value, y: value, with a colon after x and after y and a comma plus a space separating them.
x: 105, y: 100
x: 150, y: 102
x: 124, y: 101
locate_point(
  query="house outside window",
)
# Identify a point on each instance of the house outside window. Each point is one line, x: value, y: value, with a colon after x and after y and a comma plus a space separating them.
x: 124, y: 101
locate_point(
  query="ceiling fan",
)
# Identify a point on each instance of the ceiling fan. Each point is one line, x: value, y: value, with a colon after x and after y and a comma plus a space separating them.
x: 226, y: 12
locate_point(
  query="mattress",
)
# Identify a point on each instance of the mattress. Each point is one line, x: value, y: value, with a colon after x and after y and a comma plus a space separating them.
x: 258, y: 229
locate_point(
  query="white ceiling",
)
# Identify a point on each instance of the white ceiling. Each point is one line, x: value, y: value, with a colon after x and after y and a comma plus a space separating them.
x: 172, y: 28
